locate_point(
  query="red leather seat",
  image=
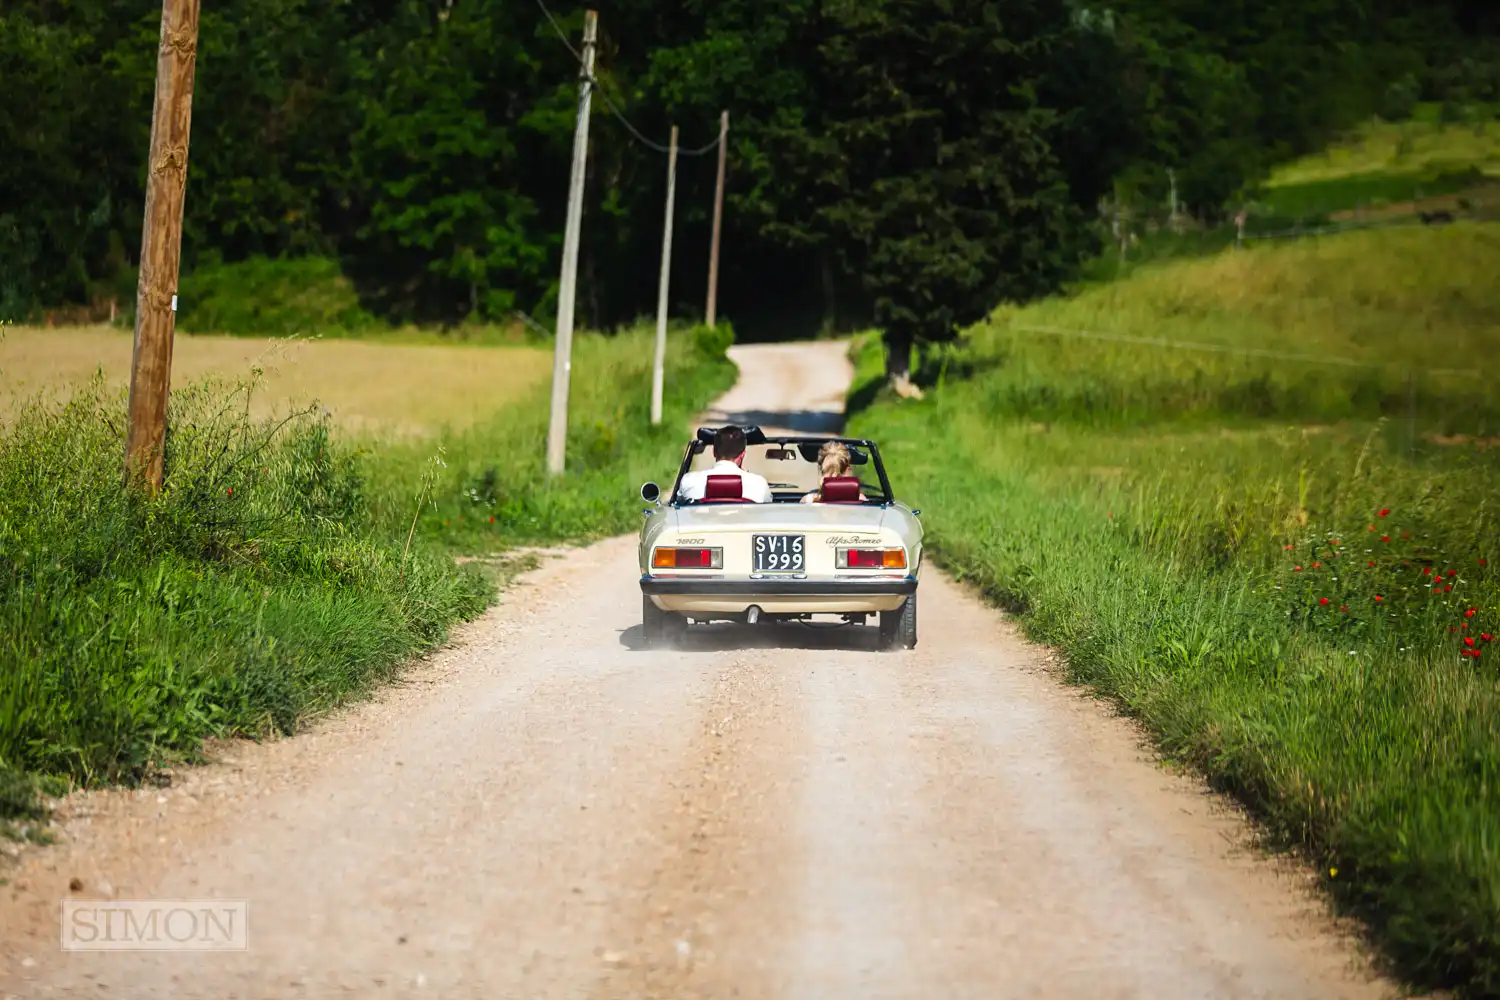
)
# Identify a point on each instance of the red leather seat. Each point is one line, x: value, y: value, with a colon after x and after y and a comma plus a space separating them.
x: 725, y: 489
x: 840, y: 489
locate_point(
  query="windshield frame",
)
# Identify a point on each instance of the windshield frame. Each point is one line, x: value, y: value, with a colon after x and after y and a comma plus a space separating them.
x: 698, y: 445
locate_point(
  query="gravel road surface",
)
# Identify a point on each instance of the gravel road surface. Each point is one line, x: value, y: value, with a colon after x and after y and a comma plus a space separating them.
x: 544, y: 809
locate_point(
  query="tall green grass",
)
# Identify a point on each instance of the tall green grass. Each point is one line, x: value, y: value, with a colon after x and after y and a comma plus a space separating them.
x: 249, y: 594
x: 283, y: 569
x: 1178, y: 537
x: 491, y: 485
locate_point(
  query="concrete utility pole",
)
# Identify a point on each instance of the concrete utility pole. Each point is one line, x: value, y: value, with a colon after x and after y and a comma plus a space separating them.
x: 658, y: 370
x: 161, y: 245
x: 562, y: 359
x: 713, y: 254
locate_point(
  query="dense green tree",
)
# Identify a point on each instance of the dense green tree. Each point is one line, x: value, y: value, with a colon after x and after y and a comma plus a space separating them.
x: 906, y: 162
x: 945, y: 193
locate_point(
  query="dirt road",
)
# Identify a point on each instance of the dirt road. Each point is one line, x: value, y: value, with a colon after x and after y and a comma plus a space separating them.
x: 546, y: 810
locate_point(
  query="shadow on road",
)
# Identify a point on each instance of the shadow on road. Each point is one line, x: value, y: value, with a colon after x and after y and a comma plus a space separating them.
x: 796, y: 421
x: 722, y: 637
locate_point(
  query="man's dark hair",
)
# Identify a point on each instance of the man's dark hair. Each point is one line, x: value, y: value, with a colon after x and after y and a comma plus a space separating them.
x: 729, y: 443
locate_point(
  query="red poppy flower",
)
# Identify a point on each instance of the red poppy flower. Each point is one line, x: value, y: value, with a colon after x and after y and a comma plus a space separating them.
x: 1452, y: 628
x: 1372, y: 562
x: 231, y: 491
x: 1447, y: 590
x: 1316, y: 565
x: 1372, y: 527
x: 1296, y: 569
x: 1426, y: 570
x: 1486, y: 637
x: 1378, y: 598
x: 1452, y: 573
x: 1385, y: 538
x: 1322, y: 600
x: 1384, y: 511
x: 1287, y: 549
x: 1468, y: 640
x: 1344, y: 608
x: 492, y: 518
x: 1469, y: 613
x: 1336, y: 542
x: 1437, y: 588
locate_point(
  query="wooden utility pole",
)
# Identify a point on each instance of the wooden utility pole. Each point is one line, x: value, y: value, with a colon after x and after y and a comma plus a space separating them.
x: 161, y: 245
x: 713, y: 254
x: 658, y: 369
x: 562, y: 359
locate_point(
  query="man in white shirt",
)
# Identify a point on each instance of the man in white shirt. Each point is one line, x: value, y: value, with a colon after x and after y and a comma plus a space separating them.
x: 729, y: 450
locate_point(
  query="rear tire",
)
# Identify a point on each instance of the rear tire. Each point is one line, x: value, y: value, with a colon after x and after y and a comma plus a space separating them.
x: 898, y: 629
x: 660, y: 628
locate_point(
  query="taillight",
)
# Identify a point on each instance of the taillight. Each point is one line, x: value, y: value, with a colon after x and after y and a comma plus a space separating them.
x: 871, y: 559
x: 687, y: 558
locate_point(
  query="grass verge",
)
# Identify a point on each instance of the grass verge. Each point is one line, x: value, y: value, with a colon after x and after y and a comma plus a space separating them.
x: 1254, y: 556
x: 285, y: 568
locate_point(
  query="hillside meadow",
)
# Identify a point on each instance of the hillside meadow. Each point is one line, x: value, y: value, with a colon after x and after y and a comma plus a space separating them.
x: 1378, y: 174
x: 1253, y: 497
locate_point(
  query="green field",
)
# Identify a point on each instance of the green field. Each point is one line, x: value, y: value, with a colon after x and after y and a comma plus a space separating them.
x: 1263, y: 540
x: 286, y: 567
x: 1380, y: 173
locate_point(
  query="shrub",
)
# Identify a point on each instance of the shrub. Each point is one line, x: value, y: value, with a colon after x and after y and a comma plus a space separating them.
x: 271, y: 297
x: 713, y: 342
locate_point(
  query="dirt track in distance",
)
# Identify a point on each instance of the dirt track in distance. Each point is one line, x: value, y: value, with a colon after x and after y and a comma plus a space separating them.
x: 545, y: 809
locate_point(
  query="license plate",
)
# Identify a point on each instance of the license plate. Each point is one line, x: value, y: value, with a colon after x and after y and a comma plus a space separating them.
x: 780, y: 554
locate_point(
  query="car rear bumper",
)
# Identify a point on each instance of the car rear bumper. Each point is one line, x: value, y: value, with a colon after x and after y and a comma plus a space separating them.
x: 778, y: 596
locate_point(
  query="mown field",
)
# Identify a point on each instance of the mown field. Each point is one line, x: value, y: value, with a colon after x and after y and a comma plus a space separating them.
x: 290, y: 564
x: 1283, y: 563
x: 390, y: 389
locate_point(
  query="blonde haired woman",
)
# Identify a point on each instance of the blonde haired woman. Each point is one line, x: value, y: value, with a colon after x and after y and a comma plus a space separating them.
x: 833, y: 462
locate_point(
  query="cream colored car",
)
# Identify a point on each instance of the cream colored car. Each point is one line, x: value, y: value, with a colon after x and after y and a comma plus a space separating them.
x: 854, y: 554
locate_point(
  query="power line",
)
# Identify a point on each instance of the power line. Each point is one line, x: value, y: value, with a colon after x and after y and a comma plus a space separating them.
x: 609, y: 102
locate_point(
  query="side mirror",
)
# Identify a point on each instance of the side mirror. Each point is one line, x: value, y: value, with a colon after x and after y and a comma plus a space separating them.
x: 917, y: 512
x: 650, y: 492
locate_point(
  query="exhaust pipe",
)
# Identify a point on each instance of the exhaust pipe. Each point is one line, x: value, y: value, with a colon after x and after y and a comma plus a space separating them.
x: 752, y: 615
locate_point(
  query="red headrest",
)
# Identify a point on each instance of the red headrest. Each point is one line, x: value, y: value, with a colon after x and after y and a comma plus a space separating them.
x: 840, y: 489
x: 724, y: 488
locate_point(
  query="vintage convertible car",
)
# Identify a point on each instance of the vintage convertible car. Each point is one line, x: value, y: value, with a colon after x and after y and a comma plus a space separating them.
x: 726, y: 558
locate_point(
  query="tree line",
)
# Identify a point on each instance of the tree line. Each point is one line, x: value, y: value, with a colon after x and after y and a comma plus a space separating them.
x: 904, y: 162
